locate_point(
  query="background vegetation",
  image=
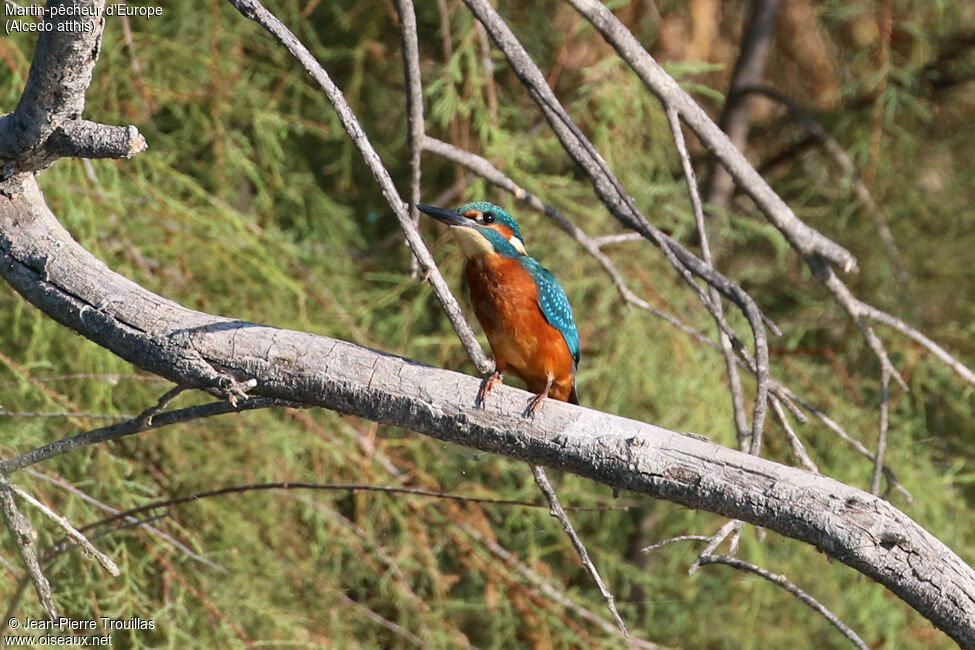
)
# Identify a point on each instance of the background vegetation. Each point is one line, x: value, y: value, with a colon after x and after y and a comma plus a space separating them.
x: 252, y: 202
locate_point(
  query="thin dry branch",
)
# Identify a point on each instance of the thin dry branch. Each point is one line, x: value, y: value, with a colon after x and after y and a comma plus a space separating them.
x: 166, y: 537
x: 305, y: 485
x: 132, y: 426
x: 24, y: 536
x: 546, y: 588
x: 559, y: 513
x: 878, y: 465
x: 782, y: 582
x: 380, y: 620
x: 853, y: 307
x: 672, y: 540
x: 732, y: 527
x: 414, y: 106
x: 107, y: 563
x: 798, y: 449
x: 731, y: 365
x: 609, y: 240
x: 871, y: 312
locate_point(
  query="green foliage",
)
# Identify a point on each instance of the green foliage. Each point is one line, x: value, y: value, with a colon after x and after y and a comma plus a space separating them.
x: 252, y: 202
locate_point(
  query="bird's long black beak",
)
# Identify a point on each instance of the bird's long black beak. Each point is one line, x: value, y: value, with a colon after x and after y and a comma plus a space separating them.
x: 449, y: 217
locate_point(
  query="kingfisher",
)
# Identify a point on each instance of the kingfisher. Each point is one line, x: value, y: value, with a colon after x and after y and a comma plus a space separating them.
x: 521, y: 306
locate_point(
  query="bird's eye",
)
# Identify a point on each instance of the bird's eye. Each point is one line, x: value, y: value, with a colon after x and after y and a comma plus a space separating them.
x: 487, y: 217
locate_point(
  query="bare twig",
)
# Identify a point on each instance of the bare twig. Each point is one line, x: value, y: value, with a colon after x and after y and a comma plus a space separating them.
x: 856, y: 444
x: 854, y: 308
x: 559, y: 513
x: 781, y: 581
x: 733, y: 526
x: 305, y: 485
x: 609, y: 240
x: 731, y: 367
x: 138, y: 424
x: 71, y: 531
x: 672, y: 540
x: 414, y: 106
x: 166, y: 537
x: 24, y: 535
x: 376, y: 618
x: 880, y: 316
x: 798, y: 449
x: 878, y: 466
x: 546, y: 588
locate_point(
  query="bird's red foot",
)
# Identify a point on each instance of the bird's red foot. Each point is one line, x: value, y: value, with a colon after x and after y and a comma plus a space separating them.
x: 489, y: 382
x: 536, y: 401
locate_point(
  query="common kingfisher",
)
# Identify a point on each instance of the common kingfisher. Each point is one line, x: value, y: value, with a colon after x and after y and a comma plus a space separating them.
x: 521, y: 306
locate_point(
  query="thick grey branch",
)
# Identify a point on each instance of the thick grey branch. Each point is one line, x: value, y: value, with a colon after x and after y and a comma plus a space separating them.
x: 84, y: 139
x: 41, y: 261
x: 47, y: 123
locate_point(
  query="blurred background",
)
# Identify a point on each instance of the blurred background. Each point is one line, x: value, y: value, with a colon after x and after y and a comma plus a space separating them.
x: 251, y: 202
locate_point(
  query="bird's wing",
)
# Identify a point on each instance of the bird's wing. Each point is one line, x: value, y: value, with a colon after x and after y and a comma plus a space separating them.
x: 554, y: 304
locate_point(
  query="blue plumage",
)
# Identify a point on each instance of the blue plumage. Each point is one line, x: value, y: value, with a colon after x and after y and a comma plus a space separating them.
x: 554, y: 304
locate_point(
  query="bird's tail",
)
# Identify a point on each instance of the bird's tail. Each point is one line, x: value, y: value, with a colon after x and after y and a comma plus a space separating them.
x: 573, y: 396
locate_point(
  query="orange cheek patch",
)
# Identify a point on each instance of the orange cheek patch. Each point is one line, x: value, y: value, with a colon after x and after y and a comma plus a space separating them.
x: 470, y: 214
x: 505, y: 231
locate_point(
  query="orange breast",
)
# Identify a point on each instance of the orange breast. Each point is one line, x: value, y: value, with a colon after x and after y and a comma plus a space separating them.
x: 505, y: 301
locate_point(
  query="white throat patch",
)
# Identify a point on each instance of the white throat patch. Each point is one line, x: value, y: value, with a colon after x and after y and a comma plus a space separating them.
x: 473, y: 243
x: 518, y: 245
